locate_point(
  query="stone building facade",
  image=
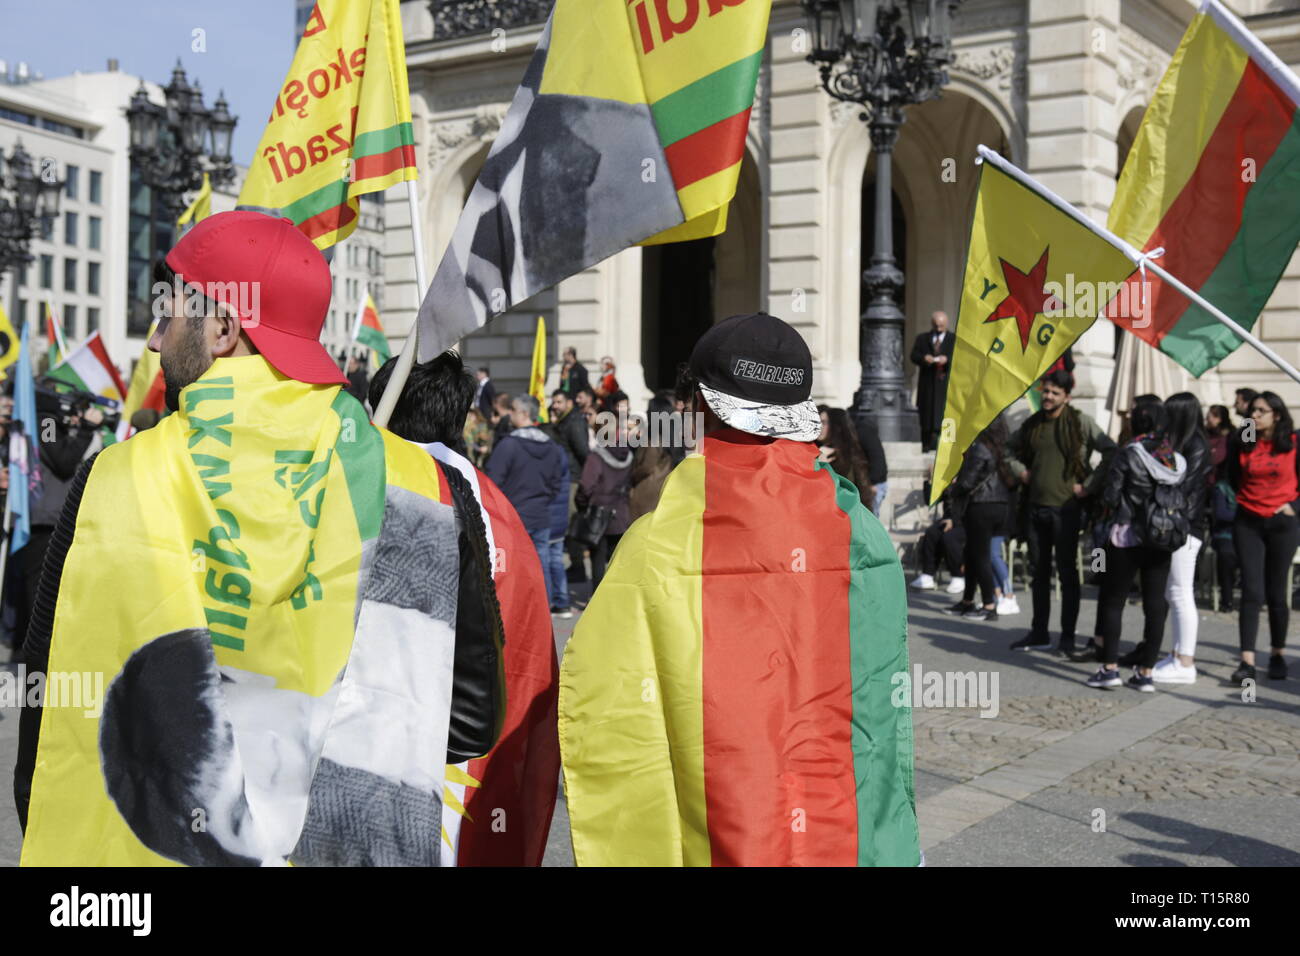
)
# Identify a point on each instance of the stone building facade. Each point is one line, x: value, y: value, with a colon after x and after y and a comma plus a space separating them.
x: 1059, y: 86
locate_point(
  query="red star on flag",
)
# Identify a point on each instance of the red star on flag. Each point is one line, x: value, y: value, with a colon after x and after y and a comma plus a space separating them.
x: 1026, y: 296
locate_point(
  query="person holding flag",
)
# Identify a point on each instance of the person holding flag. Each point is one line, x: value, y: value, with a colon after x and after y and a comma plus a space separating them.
x: 269, y: 584
x: 515, y: 783
x: 726, y: 697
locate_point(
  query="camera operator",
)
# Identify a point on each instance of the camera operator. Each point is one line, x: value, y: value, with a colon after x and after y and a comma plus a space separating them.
x: 62, y: 440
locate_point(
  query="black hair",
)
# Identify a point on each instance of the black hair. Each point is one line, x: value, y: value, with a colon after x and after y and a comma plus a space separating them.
x: 560, y: 391
x: 684, y: 386
x: 435, y: 402
x: 1247, y: 395
x: 163, y: 273
x: 1225, y: 419
x: 590, y: 392
x: 1148, y: 418
x: 484, y: 370
x: 1184, y: 417
x: 1146, y: 399
x: 1061, y: 379
x: 1283, y: 425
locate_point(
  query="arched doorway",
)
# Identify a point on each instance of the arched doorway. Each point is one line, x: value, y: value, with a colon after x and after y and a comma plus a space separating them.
x: 688, y: 286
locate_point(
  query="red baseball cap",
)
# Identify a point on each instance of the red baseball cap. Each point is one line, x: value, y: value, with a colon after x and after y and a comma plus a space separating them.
x: 273, y: 278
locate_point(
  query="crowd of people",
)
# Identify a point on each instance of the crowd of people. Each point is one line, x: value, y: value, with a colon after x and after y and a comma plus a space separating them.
x: 1143, y: 507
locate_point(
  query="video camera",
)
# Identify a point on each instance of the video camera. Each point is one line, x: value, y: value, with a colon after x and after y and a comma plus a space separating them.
x: 66, y: 404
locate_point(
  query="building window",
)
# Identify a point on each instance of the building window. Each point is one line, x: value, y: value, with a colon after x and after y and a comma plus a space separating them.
x: 47, y: 228
x: 70, y: 323
x: 95, y: 225
x: 150, y: 234
x: 69, y: 275
x: 22, y: 312
x: 70, y: 189
x: 96, y: 187
x: 92, y: 278
x: 47, y: 272
x: 92, y: 320
x: 70, y: 228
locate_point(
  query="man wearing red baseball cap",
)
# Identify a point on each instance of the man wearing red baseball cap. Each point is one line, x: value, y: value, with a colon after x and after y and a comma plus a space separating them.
x: 277, y: 593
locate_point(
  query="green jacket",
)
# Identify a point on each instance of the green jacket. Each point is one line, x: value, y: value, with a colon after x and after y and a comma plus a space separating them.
x: 1041, y: 452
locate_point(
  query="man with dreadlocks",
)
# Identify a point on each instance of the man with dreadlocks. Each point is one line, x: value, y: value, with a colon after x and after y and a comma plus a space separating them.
x: 1052, y: 454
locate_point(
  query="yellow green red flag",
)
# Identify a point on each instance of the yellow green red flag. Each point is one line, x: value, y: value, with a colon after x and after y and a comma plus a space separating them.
x: 1213, y: 181
x: 9, y: 342
x: 369, y: 331
x: 629, y: 127
x: 1036, y: 279
x: 341, y: 123
x: 229, y: 713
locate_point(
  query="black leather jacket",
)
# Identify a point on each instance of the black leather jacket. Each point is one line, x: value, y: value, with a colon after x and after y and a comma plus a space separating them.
x: 979, y: 481
x: 1196, y: 484
x: 478, y: 696
x: 1128, y: 485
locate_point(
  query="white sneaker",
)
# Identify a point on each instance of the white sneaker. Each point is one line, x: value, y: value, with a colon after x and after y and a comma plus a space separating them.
x: 924, y: 582
x: 956, y: 586
x: 1008, y: 605
x: 1173, y: 671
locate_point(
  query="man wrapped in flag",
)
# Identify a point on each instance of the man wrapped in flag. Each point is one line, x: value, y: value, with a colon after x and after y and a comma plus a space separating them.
x: 274, y: 592
x: 727, y: 698
x: 628, y: 127
x: 497, y: 809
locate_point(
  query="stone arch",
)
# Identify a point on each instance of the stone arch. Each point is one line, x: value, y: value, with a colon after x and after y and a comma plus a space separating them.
x: 937, y: 212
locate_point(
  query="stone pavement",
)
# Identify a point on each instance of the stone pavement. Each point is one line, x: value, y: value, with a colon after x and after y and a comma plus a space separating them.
x: 1063, y: 775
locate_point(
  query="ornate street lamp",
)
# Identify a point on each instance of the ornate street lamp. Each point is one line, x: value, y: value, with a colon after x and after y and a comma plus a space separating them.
x: 884, y: 55
x: 35, y: 201
x: 173, y: 145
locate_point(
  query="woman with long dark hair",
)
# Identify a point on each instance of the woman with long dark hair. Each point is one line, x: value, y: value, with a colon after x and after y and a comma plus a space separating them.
x: 841, y: 449
x: 1264, y: 469
x: 1133, y: 548
x: 981, y: 494
x: 1223, y: 504
x: 1188, y: 438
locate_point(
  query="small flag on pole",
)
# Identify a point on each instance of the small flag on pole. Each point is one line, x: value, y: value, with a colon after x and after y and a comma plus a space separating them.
x: 10, y: 347
x: 369, y: 332
x: 58, y: 347
x: 341, y: 124
x: 537, y: 381
x: 23, y: 463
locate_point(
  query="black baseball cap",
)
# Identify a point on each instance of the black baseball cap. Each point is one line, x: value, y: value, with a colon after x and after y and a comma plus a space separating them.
x: 755, y: 372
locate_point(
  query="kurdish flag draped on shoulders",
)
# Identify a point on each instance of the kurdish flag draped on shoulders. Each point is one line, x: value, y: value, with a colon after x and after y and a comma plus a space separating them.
x: 629, y: 127
x: 341, y: 124
x: 728, y: 696
x: 1036, y: 280
x: 1213, y: 180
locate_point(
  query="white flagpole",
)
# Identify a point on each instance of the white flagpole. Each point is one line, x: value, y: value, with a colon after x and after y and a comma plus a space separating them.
x: 1138, y: 258
x: 58, y: 328
x: 361, y: 313
x: 407, y: 358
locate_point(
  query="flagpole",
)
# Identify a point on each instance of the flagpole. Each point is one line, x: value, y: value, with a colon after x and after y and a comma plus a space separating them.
x: 1137, y: 257
x: 407, y: 357
x: 361, y: 313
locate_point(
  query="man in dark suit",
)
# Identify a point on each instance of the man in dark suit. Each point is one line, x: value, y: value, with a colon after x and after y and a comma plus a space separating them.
x: 932, y: 354
x: 485, y: 394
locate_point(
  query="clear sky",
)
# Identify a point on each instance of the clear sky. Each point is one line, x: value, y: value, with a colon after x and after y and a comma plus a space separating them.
x: 249, y: 45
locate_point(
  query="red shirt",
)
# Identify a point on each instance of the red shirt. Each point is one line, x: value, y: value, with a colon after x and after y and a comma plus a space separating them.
x: 1268, y: 481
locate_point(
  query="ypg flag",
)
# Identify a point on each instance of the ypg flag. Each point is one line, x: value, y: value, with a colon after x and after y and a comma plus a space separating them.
x: 341, y: 124
x: 298, y: 613
x: 629, y: 127
x: 147, y: 389
x: 201, y: 208
x: 1036, y: 280
x: 369, y: 331
x: 1214, y: 180
x: 728, y: 697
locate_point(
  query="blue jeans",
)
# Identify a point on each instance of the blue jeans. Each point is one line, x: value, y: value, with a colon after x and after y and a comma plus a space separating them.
x: 557, y: 581
x: 882, y: 490
x: 1001, y: 577
x: 542, y: 545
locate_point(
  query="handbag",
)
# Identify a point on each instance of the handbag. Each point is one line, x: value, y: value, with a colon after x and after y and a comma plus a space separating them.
x: 587, y: 527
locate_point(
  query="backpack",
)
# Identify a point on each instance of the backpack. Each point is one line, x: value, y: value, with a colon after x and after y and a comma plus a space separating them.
x: 1164, y: 525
